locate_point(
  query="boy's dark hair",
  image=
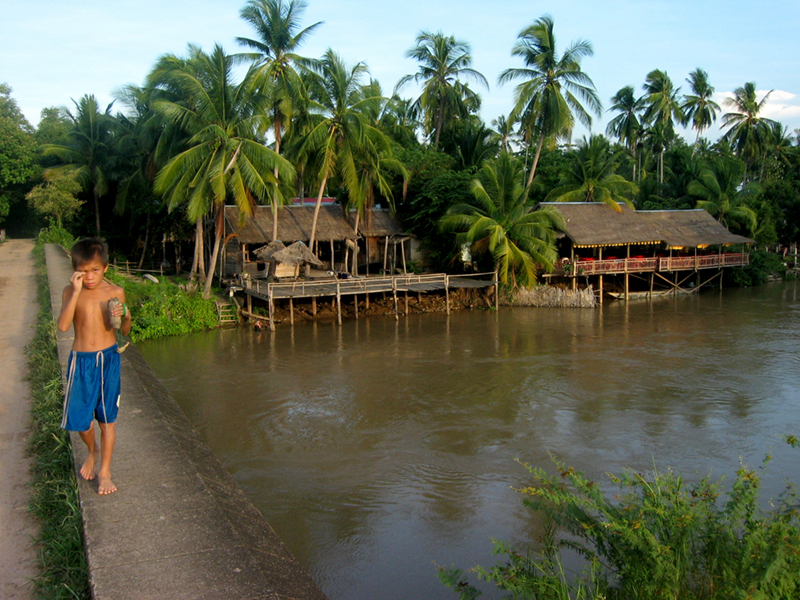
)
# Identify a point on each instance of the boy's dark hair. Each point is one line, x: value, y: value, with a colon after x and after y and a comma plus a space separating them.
x: 88, y: 249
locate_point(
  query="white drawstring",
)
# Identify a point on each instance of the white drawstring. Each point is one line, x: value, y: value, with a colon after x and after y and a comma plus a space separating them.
x: 68, y: 391
x: 101, y: 359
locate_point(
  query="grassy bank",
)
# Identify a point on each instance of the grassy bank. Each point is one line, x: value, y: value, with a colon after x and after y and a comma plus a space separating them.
x: 63, y: 572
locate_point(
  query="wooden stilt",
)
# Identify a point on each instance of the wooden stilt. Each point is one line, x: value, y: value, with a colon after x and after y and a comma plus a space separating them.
x: 338, y: 304
x: 355, y: 304
x: 403, y: 252
x: 496, y: 290
x: 291, y: 311
x: 249, y: 303
x: 447, y: 293
x: 366, y: 301
x: 600, y: 288
x: 385, y: 254
x: 333, y: 260
x: 314, y: 306
x: 271, y: 314
x: 652, y: 279
x: 406, y: 298
x: 394, y: 294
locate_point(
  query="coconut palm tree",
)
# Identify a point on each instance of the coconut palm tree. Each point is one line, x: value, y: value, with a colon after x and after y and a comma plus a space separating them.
x: 553, y: 87
x: 88, y: 151
x: 277, y: 25
x: 339, y: 131
x: 720, y: 192
x: 748, y: 132
x: 662, y: 111
x: 627, y: 125
x: 592, y: 176
x: 502, y: 221
x: 444, y: 61
x: 223, y: 160
x: 698, y: 107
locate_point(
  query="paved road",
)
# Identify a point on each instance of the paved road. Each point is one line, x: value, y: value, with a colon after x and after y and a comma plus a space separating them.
x: 18, y: 310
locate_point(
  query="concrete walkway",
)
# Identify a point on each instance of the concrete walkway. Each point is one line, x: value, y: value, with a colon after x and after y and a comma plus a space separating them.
x: 18, y: 310
x: 179, y: 527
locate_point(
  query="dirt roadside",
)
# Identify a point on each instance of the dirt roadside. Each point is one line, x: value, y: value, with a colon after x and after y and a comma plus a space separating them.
x: 18, y: 309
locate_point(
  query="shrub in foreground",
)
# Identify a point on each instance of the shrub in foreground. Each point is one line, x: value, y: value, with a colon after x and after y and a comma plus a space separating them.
x: 658, y: 538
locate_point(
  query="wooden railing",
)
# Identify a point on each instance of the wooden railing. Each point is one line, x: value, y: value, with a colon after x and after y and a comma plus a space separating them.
x: 652, y: 264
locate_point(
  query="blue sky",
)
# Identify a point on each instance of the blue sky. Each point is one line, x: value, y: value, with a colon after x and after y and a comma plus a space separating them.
x: 52, y: 51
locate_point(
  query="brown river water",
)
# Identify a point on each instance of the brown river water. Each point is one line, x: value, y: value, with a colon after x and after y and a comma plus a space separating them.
x: 380, y: 449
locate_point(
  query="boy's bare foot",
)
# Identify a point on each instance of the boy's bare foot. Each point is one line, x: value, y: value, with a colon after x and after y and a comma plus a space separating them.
x: 87, y: 470
x: 105, y: 486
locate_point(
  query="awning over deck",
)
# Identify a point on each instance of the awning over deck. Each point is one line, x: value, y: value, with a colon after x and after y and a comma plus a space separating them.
x: 592, y: 224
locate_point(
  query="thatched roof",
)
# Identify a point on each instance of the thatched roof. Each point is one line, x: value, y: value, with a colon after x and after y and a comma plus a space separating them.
x: 381, y: 223
x: 294, y: 223
x: 296, y: 254
x: 268, y: 251
x: 595, y: 224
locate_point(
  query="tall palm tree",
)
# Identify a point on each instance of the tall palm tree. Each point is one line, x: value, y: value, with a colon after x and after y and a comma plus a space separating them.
x: 277, y: 25
x: 663, y: 109
x: 592, y: 177
x: 502, y: 221
x: 748, y: 132
x: 698, y: 106
x: 339, y: 131
x: 224, y: 160
x: 88, y: 149
x: 553, y: 87
x: 504, y: 129
x: 720, y: 192
x: 627, y: 125
x: 444, y: 61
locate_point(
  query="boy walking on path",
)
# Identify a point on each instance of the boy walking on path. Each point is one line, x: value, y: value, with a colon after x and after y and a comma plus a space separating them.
x: 93, y: 382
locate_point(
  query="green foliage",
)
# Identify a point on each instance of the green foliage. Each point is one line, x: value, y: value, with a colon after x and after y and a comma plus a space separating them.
x: 763, y: 265
x: 54, y: 234
x: 56, y: 197
x: 659, y: 537
x: 164, y: 309
x: 63, y: 572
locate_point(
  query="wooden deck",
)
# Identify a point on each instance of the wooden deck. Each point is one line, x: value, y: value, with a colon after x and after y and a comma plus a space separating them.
x: 662, y: 264
x: 316, y: 288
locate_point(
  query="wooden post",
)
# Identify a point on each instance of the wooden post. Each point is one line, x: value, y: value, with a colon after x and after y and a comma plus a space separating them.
x: 271, y: 311
x: 291, y: 311
x: 403, y: 252
x: 338, y: 303
x: 355, y: 304
x: 447, y: 293
x: 385, y: 254
x: 314, y: 306
x: 652, y: 277
x: 394, y: 294
x: 250, y: 303
x: 333, y: 260
x: 600, y: 277
x: 406, y: 297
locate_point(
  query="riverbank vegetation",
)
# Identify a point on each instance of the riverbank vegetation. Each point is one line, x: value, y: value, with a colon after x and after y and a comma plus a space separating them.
x: 657, y: 537
x: 63, y: 572
x: 154, y: 169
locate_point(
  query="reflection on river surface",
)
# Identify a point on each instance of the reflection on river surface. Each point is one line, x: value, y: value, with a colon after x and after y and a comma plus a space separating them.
x: 381, y: 447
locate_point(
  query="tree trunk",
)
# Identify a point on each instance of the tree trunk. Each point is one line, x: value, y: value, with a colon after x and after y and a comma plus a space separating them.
x: 316, y: 213
x: 146, y: 240
x: 535, y: 160
x: 275, y: 173
x: 213, y: 262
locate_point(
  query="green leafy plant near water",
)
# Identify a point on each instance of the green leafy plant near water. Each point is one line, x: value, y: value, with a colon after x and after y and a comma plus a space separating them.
x: 659, y: 538
x: 164, y: 309
x: 63, y: 572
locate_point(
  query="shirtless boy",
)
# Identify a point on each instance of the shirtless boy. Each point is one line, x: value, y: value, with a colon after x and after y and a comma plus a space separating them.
x: 93, y: 384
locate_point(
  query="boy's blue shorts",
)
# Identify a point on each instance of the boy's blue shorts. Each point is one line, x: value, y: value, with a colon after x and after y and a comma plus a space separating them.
x: 93, y: 388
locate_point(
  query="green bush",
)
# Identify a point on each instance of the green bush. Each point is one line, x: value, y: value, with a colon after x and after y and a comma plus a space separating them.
x: 53, y: 234
x: 658, y: 538
x: 762, y: 265
x: 164, y: 309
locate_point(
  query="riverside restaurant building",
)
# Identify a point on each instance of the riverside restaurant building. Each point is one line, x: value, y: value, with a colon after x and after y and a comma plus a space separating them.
x: 629, y: 253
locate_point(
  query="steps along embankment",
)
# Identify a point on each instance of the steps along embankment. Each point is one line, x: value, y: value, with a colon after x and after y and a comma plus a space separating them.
x: 179, y: 527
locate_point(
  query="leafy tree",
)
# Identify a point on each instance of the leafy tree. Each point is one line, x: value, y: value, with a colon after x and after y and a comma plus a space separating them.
x: 56, y: 197
x: 17, y: 149
x: 593, y: 177
x: 339, y: 130
x: 444, y: 61
x: 553, y: 86
x: 500, y: 220
x: 627, y: 125
x: 88, y: 149
x: 748, y: 132
x: 662, y: 111
x: 698, y: 107
x: 277, y: 25
x: 720, y: 193
x: 224, y: 160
